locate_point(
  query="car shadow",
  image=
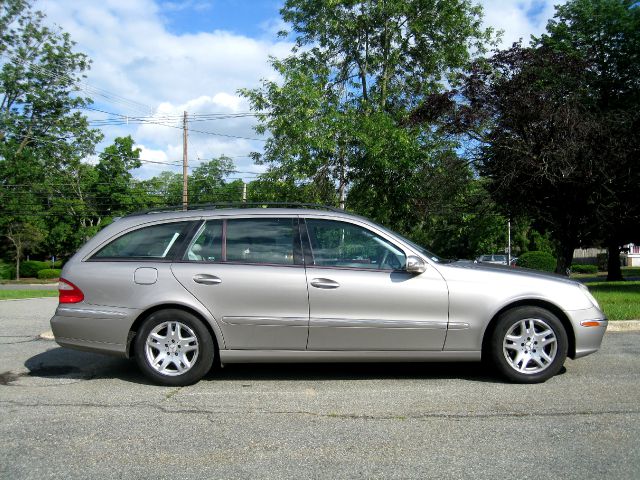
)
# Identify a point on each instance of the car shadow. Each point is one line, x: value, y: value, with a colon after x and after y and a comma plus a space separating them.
x: 470, y: 371
x: 63, y: 363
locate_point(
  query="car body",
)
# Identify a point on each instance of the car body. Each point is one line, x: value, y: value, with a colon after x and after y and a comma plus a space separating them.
x: 180, y: 290
x: 494, y: 258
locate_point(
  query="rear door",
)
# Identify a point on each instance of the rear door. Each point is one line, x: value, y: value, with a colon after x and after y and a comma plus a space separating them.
x: 248, y: 272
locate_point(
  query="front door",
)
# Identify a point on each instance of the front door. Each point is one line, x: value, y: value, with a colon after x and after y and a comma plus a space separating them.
x: 249, y: 273
x: 360, y: 297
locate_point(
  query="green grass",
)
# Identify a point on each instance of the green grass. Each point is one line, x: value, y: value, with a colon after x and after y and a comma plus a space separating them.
x: 28, y: 281
x: 618, y: 300
x: 626, y: 273
x: 14, y: 294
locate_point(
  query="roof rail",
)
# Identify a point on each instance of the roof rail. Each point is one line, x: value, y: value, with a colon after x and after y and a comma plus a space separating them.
x: 222, y: 205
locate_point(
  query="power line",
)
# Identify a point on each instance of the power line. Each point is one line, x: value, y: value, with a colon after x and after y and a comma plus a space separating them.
x: 82, y: 85
x: 204, y: 132
x: 130, y: 119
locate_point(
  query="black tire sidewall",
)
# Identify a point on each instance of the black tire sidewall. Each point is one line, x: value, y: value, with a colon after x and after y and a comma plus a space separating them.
x: 206, y: 346
x: 505, y: 322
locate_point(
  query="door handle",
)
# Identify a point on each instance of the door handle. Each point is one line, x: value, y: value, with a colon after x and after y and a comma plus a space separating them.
x: 324, y: 283
x: 206, y: 279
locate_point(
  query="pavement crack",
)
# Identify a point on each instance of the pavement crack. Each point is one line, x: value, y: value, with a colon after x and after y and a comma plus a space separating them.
x: 26, y: 338
x: 329, y: 415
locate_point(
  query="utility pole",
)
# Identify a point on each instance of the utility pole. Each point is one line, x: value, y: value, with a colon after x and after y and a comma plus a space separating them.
x: 244, y: 192
x: 509, y: 243
x: 185, y: 164
x: 342, y: 180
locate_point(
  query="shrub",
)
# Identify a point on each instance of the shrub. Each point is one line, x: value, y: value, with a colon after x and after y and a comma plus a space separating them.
x: 537, y: 260
x: 577, y: 268
x: 7, y: 271
x: 48, y: 273
x: 30, y: 268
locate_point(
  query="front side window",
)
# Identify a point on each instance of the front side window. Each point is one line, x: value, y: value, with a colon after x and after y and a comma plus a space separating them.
x: 155, y: 242
x: 341, y: 244
x: 261, y: 240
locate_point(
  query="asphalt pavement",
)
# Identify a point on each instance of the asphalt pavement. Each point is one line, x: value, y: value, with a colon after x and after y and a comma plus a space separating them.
x: 68, y: 414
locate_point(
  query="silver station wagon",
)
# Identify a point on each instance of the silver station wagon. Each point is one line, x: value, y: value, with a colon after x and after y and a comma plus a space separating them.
x: 181, y: 290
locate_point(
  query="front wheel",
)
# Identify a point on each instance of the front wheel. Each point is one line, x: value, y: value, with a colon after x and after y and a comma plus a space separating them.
x: 173, y: 347
x: 529, y: 345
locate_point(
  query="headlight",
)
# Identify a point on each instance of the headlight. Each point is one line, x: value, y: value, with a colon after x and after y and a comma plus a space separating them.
x: 591, y: 298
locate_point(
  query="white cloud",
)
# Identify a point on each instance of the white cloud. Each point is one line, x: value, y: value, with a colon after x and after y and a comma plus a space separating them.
x: 150, y: 169
x: 140, y: 67
x: 152, y: 154
x: 518, y: 19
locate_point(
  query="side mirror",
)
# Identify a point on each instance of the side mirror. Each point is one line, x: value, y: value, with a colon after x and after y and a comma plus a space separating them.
x: 415, y: 265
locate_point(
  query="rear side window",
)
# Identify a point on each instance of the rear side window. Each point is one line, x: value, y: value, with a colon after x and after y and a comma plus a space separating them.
x: 261, y: 240
x: 156, y: 242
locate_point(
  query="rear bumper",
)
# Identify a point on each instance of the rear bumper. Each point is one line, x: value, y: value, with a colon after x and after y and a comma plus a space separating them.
x: 92, y: 346
x: 93, y: 328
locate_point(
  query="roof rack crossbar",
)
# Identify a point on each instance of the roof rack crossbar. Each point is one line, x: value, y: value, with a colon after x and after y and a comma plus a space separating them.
x: 222, y: 205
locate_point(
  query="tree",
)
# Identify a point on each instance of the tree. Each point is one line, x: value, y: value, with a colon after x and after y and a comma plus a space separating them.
x: 43, y: 136
x: 272, y: 187
x: 162, y: 190
x: 23, y: 236
x: 554, y: 126
x: 526, y: 109
x: 114, y: 180
x: 338, y: 117
x: 606, y: 35
x: 39, y: 76
x: 207, y: 182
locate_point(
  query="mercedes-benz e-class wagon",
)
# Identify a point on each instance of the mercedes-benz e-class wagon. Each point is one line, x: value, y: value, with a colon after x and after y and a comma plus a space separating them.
x: 181, y: 290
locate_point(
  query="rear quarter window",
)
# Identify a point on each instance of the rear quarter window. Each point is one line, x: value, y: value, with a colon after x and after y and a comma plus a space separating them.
x: 155, y: 242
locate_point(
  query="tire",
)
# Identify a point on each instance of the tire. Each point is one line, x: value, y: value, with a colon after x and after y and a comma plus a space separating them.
x: 528, y: 345
x: 173, y: 347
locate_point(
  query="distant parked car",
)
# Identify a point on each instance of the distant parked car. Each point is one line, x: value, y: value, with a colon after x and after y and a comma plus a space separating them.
x: 495, y: 259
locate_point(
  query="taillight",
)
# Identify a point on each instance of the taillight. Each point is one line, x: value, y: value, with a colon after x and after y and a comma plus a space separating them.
x: 68, y: 292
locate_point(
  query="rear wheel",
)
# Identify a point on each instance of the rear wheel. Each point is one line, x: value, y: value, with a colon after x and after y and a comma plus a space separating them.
x: 173, y: 347
x: 529, y: 345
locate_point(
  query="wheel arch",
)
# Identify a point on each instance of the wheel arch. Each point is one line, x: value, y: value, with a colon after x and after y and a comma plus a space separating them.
x: 557, y: 311
x: 163, y: 306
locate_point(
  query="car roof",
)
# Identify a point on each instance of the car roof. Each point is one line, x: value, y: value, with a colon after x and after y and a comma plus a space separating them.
x: 196, y: 212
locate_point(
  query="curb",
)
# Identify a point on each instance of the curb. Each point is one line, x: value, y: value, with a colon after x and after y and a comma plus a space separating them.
x: 48, y: 335
x: 623, y: 326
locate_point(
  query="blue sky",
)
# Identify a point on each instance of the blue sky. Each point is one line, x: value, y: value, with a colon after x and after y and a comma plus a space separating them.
x: 158, y: 58
x: 241, y: 17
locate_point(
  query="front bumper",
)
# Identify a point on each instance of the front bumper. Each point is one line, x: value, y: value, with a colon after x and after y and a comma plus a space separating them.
x: 589, y: 327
